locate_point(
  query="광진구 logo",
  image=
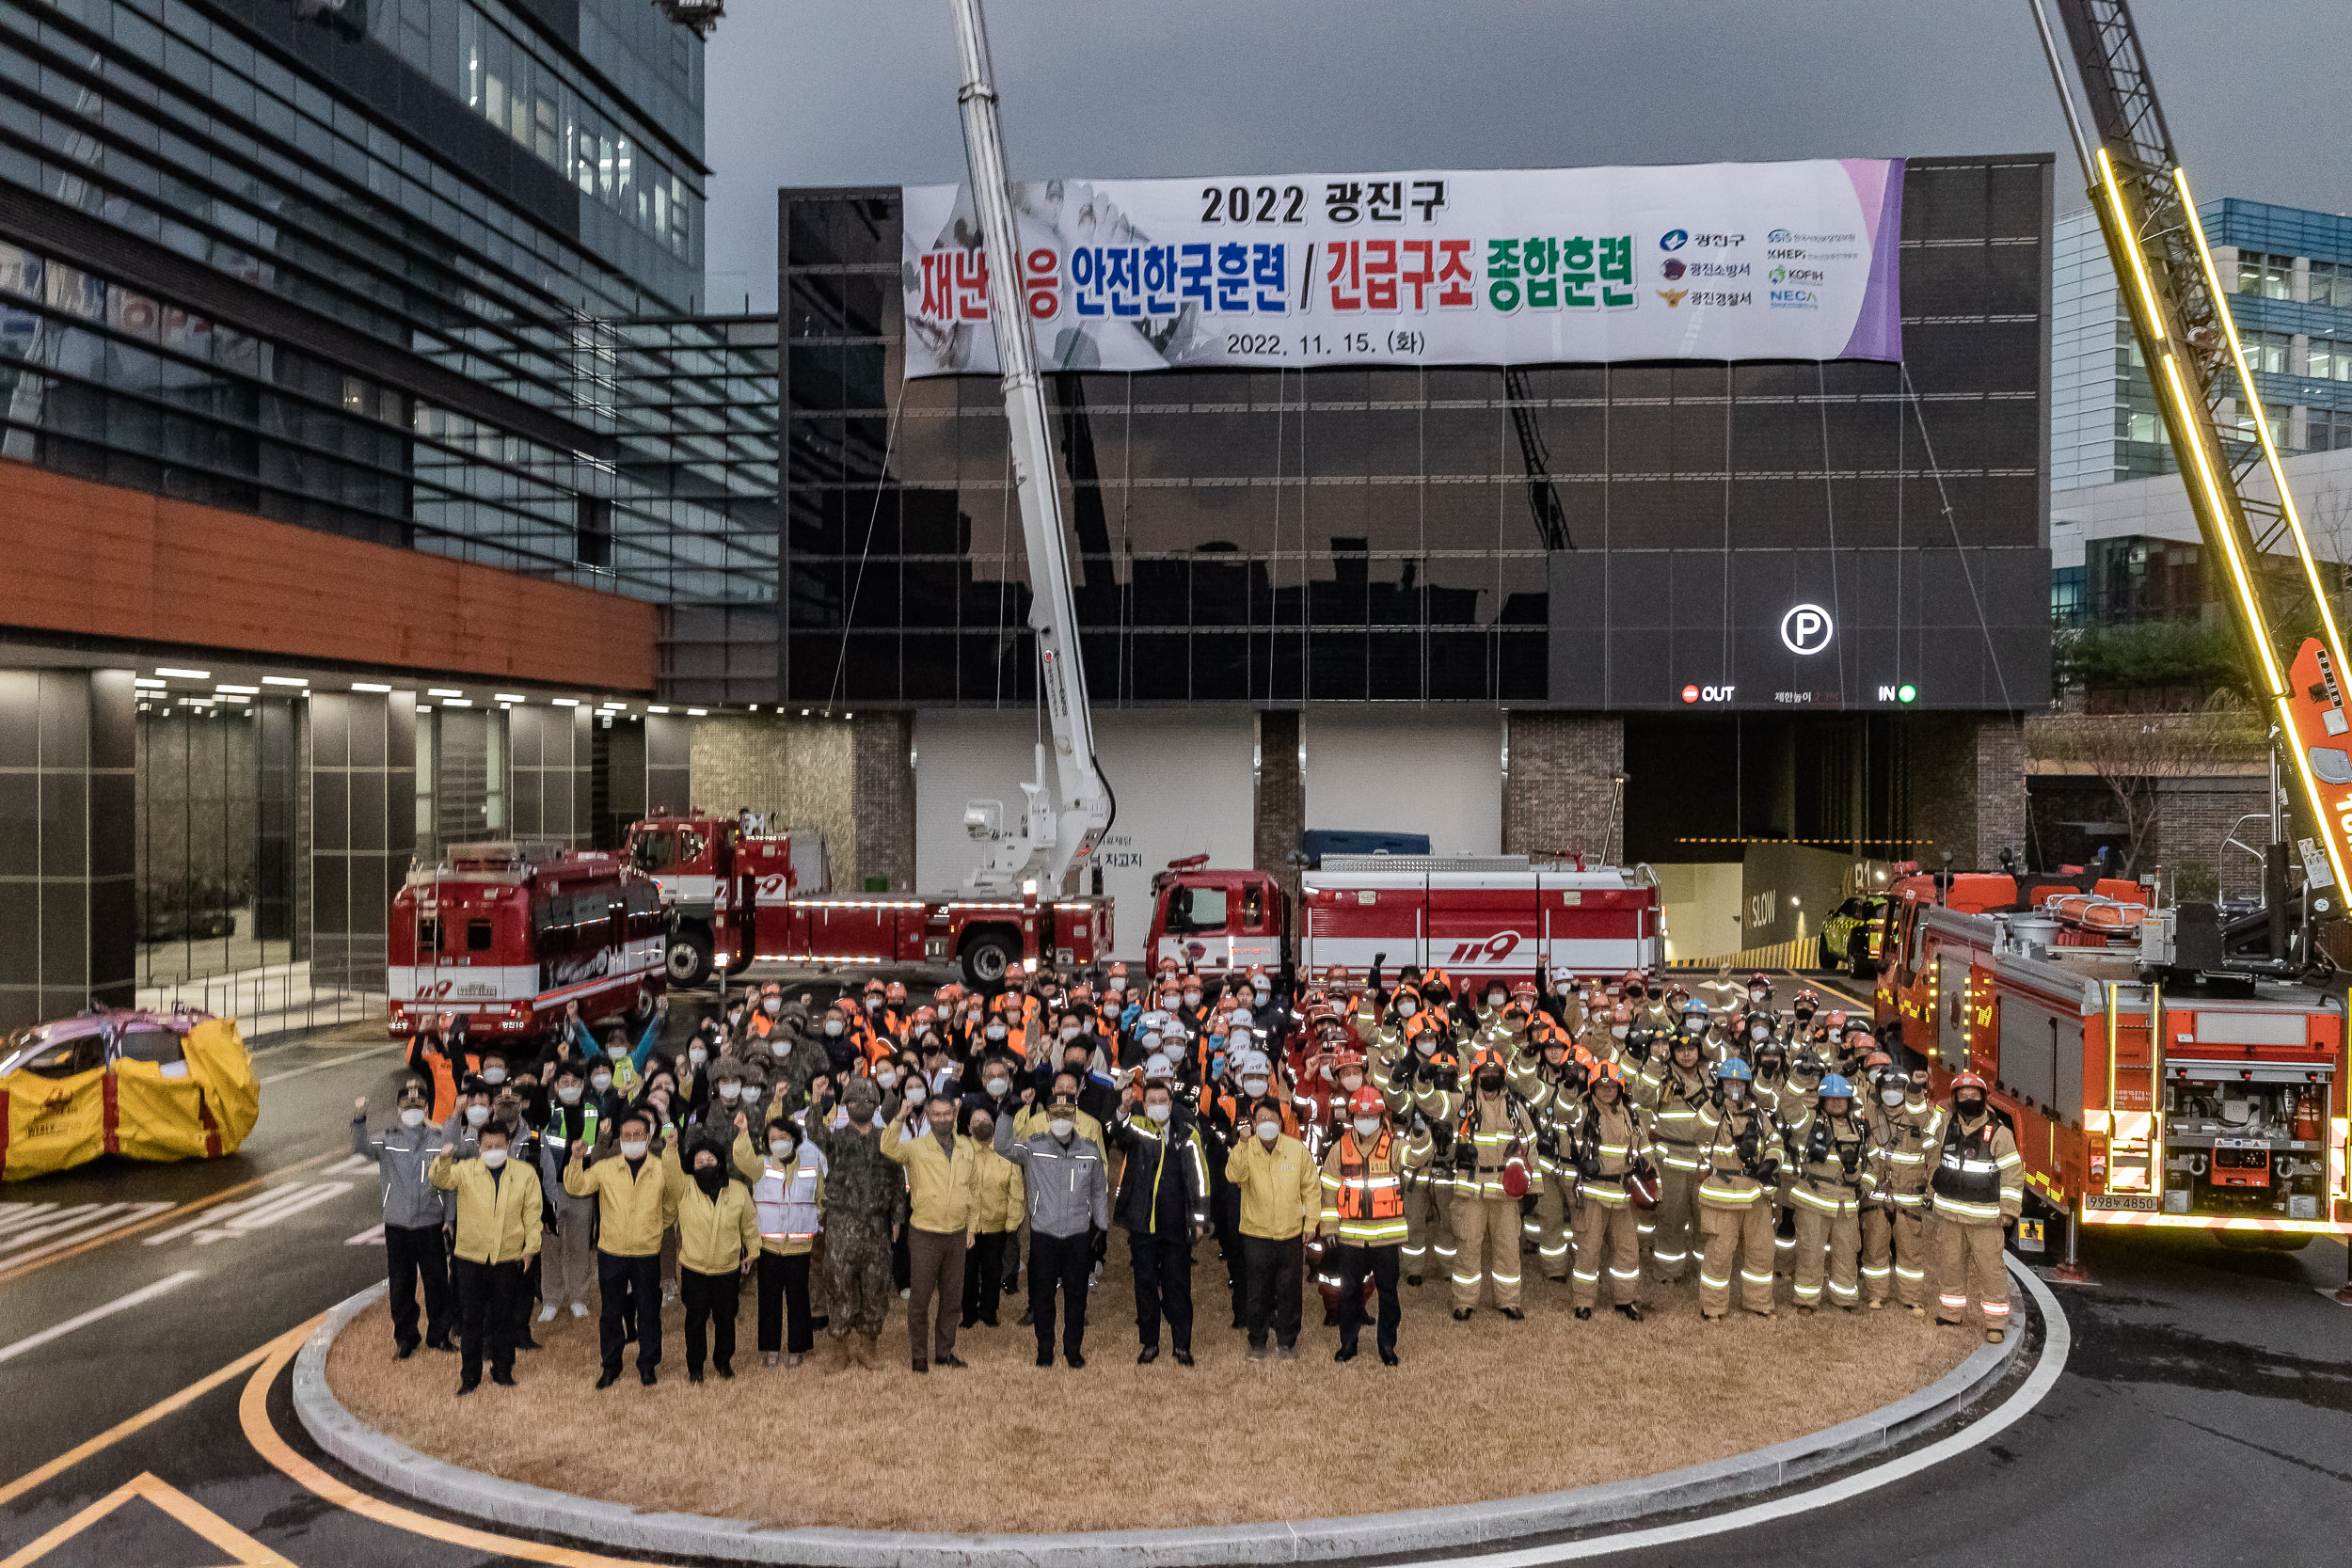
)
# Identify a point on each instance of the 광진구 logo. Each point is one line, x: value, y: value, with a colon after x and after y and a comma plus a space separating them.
x: 1674, y: 239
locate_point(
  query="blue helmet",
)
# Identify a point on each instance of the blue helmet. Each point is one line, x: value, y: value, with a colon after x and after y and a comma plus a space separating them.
x: 1736, y: 1070
x: 1692, y: 1005
x: 1835, y: 1087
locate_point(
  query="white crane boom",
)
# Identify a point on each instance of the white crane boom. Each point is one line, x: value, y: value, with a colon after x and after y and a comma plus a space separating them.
x: 1052, y: 834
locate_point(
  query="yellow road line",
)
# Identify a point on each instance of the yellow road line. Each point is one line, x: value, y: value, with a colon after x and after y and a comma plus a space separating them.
x: 253, y: 1411
x: 153, y: 1220
x: 245, y: 1551
x: 147, y: 1417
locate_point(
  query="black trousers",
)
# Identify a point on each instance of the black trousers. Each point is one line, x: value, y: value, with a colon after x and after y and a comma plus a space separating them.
x: 1271, y: 1271
x: 1063, y: 1261
x: 711, y: 1299
x: 414, y: 1253
x: 630, y: 1286
x: 784, y: 1299
x: 984, y: 1277
x: 486, y: 1311
x: 526, y: 1293
x: 1355, y: 1263
x: 1163, y: 1267
x: 902, y: 1265
x: 1231, y: 1244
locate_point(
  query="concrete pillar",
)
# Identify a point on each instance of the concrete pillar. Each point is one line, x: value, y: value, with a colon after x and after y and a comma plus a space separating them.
x: 550, y: 782
x: 1280, y: 814
x: 1556, y: 795
x: 882, y: 795
x: 363, y: 786
x: 1966, y: 786
x: 68, y: 842
x: 669, y: 763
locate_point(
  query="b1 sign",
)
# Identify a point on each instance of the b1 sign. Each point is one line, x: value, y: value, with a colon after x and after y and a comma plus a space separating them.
x: 1794, y: 260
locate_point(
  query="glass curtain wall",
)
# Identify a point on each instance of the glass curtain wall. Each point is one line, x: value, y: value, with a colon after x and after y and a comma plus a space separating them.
x: 215, y: 857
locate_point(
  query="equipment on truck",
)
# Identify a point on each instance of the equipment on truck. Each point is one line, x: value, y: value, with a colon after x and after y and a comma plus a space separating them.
x: 507, y: 934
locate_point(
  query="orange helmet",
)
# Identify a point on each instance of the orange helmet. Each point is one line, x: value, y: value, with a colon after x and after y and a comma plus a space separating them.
x: 875, y: 988
x: 896, y: 991
x: 1969, y: 1080
x: 1597, y: 1072
x: 1876, y: 1060
x: 1345, y: 1058
x: 1835, y: 1023
x: 1489, y: 1053
x: 1367, y: 1101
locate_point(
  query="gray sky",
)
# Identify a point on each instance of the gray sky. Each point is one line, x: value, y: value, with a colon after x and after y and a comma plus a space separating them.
x: 822, y: 92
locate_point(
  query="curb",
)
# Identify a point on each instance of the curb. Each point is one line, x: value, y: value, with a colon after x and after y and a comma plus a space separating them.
x: 617, y: 1526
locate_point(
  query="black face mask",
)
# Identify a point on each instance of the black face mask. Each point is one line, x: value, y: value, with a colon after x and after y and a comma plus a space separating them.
x: 710, y: 1180
x: 1490, y: 1083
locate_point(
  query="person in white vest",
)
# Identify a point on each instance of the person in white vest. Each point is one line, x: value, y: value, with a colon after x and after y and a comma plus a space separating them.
x: 787, y: 1178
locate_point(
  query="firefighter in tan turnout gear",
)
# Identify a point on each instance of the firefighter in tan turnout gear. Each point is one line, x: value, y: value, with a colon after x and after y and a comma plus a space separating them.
x: 1904, y: 1127
x: 1979, y: 1186
x: 1740, y: 1160
x: 1602, y: 1133
x: 1547, y: 1076
x: 1834, y: 1178
x: 1682, y: 1094
x: 1493, y: 1161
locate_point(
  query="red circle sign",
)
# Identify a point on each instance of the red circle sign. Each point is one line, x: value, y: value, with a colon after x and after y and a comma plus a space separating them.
x: 1690, y: 694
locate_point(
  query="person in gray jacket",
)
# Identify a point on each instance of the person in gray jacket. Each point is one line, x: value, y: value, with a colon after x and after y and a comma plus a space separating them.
x: 413, y: 1217
x: 1070, y: 1203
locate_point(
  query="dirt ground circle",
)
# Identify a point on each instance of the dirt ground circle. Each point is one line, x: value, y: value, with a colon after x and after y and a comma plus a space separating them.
x: 1479, y: 1411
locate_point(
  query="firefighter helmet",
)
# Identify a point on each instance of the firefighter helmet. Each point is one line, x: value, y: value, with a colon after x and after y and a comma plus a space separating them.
x: 1367, y: 1100
x: 1760, y: 981
x: 1967, y: 1080
x: 1599, y: 1072
x: 1857, y: 1024
x: 1876, y: 1060
x: 1736, y: 1070
x: 1835, y: 1087
x: 1835, y: 1022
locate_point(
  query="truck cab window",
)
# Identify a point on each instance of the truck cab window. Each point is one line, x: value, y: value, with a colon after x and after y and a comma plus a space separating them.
x: 1254, y: 909
x: 477, y: 935
x: 428, y: 936
x: 655, y: 851
x: 1196, y: 909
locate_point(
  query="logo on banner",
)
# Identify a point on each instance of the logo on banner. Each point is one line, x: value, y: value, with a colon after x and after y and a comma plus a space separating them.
x: 1806, y: 629
x: 1672, y: 269
x: 1672, y: 296
x: 1674, y: 239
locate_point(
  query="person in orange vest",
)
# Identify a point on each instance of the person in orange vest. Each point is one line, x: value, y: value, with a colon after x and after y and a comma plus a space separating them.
x: 1363, y: 1217
x: 440, y: 1053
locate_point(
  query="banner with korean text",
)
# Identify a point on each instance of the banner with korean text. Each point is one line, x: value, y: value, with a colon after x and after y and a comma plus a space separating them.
x: 1791, y: 261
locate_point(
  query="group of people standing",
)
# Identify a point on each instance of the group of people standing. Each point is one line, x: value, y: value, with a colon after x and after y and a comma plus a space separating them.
x: 1368, y: 1132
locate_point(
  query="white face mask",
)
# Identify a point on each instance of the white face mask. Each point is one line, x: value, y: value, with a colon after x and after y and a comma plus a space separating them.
x: 1890, y: 1097
x: 494, y: 1074
x: 1367, y: 1126
x: 632, y: 1148
x: 997, y: 1031
x: 1758, y: 996
x: 1265, y: 993
x: 1060, y: 1127
x: 1494, y: 999
x: 780, y: 1148
x: 998, y: 1088
x: 477, y: 1115
x: 1760, y: 1032
x: 619, y: 1055
x: 833, y: 1026
x: 1408, y: 1008
x: 1159, y: 1113
x: 412, y: 1116
x: 772, y: 1007
x: 569, y: 1095
x: 730, y: 1091
x: 600, y: 1082
x: 696, y: 1056
x: 1070, y: 1031
x: 1426, y: 1047
x: 1351, y: 1081
x: 1269, y: 1129
x: 1192, y: 999
x: 494, y: 1158
x: 1619, y: 1029
x: 1253, y: 1087
x: 780, y: 1047
x: 885, y: 1078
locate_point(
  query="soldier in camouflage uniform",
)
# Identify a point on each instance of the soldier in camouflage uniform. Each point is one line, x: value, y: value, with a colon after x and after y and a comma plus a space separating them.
x: 862, y: 1191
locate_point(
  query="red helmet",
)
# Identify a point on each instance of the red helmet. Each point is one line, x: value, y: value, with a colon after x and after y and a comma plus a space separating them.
x: 1345, y: 1058
x: 1835, y: 1023
x: 1969, y: 1080
x: 1366, y: 1100
x: 1876, y: 1060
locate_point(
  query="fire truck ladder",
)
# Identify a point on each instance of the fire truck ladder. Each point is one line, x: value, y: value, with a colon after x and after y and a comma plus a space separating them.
x: 1543, y: 499
x: 2164, y: 271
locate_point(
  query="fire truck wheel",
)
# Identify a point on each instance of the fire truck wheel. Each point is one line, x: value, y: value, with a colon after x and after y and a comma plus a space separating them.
x: 987, y: 960
x: 688, y: 958
x: 640, y: 1006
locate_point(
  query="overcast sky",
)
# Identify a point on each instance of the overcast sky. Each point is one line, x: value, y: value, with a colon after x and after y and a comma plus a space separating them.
x: 822, y: 92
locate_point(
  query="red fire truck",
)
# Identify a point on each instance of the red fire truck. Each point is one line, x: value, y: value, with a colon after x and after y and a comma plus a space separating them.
x: 1500, y: 916
x: 2149, y: 1080
x: 692, y: 858
x: 509, y: 933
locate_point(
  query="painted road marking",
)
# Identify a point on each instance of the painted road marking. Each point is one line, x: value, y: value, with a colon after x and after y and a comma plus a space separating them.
x: 322, y: 1067
x: 245, y: 1551
x: 350, y: 1167
x: 14, y: 1268
x: 371, y: 1236
x: 230, y: 1221
x: 120, y: 1304
x: 31, y: 1230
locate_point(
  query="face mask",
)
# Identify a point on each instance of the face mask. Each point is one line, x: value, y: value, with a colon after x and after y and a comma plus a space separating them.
x: 569, y: 1094
x: 1759, y: 1031
x: 494, y: 1075
x: 477, y: 1115
x: 1253, y: 1087
x: 1159, y: 1113
x: 780, y: 1047
x: 1408, y: 1008
x: 885, y: 1078
x: 1619, y: 1029
x: 632, y: 1148
x: 772, y: 1007
x: 997, y: 1031
x: 600, y: 1082
x: 1192, y: 999
x: 1060, y: 1127
x: 1733, y: 1090
x: 493, y: 1158
x: 1758, y: 996
x: 1070, y: 1031
x: 1490, y: 1083
x: 1426, y: 1047
x: 1367, y: 1126
x: 780, y: 1148
x: 833, y: 1026
x: 730, y: 1091
x: 873, y: 1004
x: 413, y: 1117
x: 1269, y: 1129
x: 710, y: 1179
x: 998, y: 1088
x: 696, y: 1056
x: 1890, y: 1097
x: 1972, y: 1107
x: 619, y: 1055
x: 1351, y: 1081
x: 1265, y: 993
x: 1495, y: 998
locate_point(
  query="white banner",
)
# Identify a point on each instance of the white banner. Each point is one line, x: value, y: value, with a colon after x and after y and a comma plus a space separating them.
x: 1794, y: 260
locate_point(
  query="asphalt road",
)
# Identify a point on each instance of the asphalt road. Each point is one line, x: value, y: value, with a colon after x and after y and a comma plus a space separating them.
x: 2204, y: 1416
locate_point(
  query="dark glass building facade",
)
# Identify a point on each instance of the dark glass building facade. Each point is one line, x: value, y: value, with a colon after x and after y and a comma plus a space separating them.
x: 1582, y: 536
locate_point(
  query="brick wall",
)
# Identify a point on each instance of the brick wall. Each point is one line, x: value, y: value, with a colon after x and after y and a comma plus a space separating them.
x: 1966, y: 786
x: 1556, y: 796
x: 796, y: 771
x: 882, y: 794
x: 1279, y: 810
x: 2194, y: 816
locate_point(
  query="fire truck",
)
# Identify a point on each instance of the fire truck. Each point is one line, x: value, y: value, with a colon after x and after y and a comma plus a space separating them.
x: 1500, y: 916
x: 507, y: 934
x: 692, y: 858
x: 2152, y: 1076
